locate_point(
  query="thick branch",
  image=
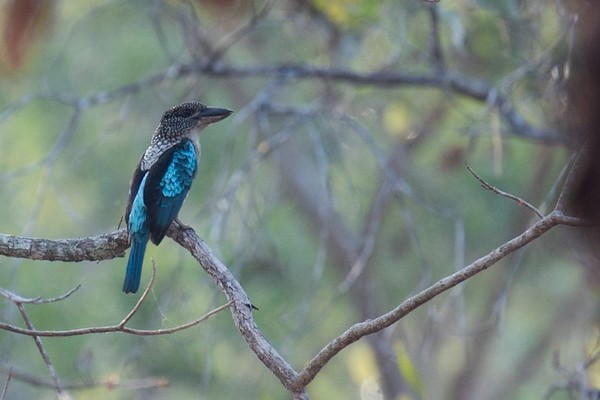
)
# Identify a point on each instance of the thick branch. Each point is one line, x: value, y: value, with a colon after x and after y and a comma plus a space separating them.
x: 95, y: 248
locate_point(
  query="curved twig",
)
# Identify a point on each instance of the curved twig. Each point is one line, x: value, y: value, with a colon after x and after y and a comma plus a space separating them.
x: 494, y: 189
x: 15, y: 298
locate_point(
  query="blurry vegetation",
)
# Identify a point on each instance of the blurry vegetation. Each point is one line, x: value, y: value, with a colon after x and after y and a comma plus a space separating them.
x: 497, y: 336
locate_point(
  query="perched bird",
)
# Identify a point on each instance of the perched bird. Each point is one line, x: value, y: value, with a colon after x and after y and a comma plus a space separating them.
x: 162, y: 179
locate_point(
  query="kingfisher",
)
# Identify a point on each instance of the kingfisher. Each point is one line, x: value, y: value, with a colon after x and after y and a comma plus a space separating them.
x: 163, y: 178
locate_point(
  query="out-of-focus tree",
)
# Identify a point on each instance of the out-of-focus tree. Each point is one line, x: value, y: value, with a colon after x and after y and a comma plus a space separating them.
x: 381, y: 157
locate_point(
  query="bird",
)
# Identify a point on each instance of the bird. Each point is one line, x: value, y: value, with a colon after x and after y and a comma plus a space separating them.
x: 163, y: 178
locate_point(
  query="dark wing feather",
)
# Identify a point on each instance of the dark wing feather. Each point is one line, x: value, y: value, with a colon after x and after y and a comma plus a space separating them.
x: 167, y: 185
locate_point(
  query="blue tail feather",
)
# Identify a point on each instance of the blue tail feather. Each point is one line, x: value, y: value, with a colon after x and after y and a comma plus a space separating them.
x: 133, y: 273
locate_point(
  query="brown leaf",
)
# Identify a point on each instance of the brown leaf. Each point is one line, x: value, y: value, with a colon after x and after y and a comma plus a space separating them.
x: 24, y: 22
x: 452, y: 158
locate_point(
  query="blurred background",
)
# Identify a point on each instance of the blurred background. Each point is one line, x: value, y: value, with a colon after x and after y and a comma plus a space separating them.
x: 337, y: 189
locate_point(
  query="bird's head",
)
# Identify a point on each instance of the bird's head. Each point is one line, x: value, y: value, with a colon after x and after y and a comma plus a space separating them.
x: 187, y: 117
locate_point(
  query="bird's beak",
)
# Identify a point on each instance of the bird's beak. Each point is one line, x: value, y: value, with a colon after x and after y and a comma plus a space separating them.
x: 213, y: 114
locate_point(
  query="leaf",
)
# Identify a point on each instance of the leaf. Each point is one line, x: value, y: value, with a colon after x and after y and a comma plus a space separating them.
x: 24, y: 22
x: 396, y: 120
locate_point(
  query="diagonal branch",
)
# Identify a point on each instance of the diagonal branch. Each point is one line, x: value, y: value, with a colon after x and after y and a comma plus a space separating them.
x: 5, y: 388
x: 362, y: 329
x: 241, y: 307
x: 42, y: 350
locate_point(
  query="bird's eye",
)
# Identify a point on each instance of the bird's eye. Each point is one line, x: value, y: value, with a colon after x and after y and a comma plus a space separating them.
x: 184, y: 112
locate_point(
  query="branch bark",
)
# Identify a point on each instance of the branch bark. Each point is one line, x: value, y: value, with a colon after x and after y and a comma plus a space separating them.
x: 94, y: 248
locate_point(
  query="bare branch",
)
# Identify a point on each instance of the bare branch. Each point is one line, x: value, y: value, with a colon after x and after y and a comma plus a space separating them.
x: 445, y: 80
x: 240, y: 32
x: 494, y: 189
x: 5, y: 388
x: 361, y: 329
x: 241, y: 307
x: 94, y: 248
x: 15, y: 298
x: 437, y: 56
x: 141, y: 299
x: 109, y: 383
x: 166, y: 331
x: 111, y: 328
x: 38, y: 342
x: 368, y: 239
x: 120, y: 327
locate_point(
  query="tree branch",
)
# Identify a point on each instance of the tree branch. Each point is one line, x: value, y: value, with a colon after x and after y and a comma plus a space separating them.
x: 361, y: 329
x: 94, y: 248
x: 241, y: 307
x: 111, y: 328
x: 494, y: 189
x: 442, y: 79
x: 109, y: 383
x: 60, y: 392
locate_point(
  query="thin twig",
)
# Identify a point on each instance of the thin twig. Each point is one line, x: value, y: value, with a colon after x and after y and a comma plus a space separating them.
x: 494, y: 189
x: 166, y: 331
x: 120, y: 327
x: 5, y: 388
x: 42, y: 350
x: 240, y: 32
x: 437, y: 56
x: 111, y: 328
x: 109, y: 383
x: 141, y: 299
x: 15, y: 298
x: 369, y: 238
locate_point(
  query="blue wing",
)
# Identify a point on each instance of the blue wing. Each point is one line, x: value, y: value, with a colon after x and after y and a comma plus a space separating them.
x: 167, y: 185
x: 137, y: 225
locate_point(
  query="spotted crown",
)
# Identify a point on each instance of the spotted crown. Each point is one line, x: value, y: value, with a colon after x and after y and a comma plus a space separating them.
x: 178, y: 121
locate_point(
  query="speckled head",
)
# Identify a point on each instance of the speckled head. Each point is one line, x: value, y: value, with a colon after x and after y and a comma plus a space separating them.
x: 181, y: 119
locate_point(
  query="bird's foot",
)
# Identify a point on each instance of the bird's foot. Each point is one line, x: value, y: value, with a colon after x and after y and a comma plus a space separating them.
x: 184, y: 226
